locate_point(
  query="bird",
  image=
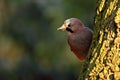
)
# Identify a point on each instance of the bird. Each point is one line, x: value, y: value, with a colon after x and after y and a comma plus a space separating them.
x: 79, y: 37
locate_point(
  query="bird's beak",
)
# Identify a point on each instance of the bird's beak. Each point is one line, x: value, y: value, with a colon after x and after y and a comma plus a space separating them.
x: 63, y: 28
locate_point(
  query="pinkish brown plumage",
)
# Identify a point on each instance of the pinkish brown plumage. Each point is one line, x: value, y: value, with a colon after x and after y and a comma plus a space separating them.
x: 79, y: 37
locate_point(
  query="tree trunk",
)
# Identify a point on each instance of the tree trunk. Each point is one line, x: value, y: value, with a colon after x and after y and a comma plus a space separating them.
x: 104, y: 56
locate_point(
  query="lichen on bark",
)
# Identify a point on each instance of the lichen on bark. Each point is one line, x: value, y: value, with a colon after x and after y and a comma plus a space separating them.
x: 104, y: 58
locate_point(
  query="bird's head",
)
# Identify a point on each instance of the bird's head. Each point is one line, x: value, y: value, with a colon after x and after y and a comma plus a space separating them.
x: 71, y: 25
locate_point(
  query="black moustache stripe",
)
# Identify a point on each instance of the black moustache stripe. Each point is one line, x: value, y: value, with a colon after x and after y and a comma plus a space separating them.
x: 69, y: 30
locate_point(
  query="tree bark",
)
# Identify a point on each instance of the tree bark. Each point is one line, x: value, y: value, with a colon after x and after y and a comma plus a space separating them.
x: 104, y: 56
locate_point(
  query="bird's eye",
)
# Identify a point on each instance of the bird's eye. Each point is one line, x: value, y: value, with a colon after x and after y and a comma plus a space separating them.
x: 69, y: 25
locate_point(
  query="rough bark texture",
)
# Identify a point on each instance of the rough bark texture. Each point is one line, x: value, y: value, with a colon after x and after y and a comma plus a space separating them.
x: 104, y: 59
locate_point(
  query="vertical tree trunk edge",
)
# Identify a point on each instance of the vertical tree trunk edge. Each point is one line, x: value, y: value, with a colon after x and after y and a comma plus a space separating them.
x: 104, y: 56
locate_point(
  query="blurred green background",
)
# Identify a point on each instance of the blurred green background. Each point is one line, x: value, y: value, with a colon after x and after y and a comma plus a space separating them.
x: 30, y: 46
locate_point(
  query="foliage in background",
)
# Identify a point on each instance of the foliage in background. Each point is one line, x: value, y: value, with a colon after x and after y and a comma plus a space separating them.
x: 30, y: 46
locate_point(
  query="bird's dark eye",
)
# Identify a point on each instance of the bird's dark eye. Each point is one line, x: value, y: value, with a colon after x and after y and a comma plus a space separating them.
x: 69, y: 25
